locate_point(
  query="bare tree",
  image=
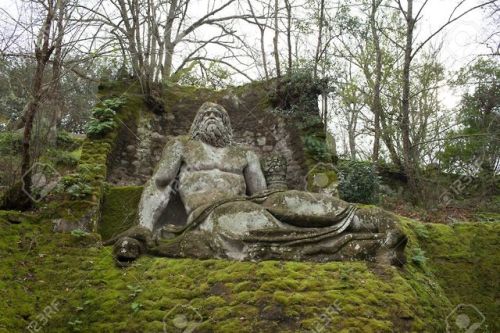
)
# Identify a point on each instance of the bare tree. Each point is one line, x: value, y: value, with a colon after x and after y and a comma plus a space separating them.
x: 410, y: 162
x: 276, y: 39
x: 44, y: 46
x: 376, y: 102
x: 320, y: 37
x: 150, y: 33
x: 261, y: 25
x: 288, y: 7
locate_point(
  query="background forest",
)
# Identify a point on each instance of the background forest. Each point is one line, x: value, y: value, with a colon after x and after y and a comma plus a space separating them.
x: 389, y: 95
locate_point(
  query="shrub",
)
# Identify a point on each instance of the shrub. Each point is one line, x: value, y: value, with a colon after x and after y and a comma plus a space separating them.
x: 11, y: 143
x: 358, y: 182
x: 97, y: 129
x: 65, y: 141
x: 103, y: 118
x: 298, y: 91
x: 75, y: 185
x: 317, y: 148
x: 62, y: 158
x: 114, y: 103
x: 419, y: 257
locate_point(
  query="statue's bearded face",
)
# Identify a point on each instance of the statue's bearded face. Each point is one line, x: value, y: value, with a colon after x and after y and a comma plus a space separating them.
x: 211, y: 126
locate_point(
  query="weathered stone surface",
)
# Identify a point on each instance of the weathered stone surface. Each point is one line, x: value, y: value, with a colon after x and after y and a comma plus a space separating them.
x: 227, y: 209
x: 251, y: 118
x: 158, y: 137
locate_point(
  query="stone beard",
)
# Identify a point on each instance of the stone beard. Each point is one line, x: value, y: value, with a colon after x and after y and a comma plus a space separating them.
x: 212, y: 126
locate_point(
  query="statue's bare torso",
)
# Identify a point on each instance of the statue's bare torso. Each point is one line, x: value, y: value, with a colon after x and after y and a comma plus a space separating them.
x: 209, y: 174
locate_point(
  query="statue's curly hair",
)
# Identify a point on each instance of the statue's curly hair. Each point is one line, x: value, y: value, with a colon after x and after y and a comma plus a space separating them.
x: 199, y: 133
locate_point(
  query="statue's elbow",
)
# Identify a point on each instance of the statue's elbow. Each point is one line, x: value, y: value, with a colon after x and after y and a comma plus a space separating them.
x: 162, y: 181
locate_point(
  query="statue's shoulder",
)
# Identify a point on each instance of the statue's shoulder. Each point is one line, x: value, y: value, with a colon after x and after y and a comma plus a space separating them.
x: 179, y: 139
x: 243, y: 151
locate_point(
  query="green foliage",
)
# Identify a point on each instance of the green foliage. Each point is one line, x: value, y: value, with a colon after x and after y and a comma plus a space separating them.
x: 76, y: 185
x: 103, y: 118
x: 136, y: 306
x: 96, y: 128
x: 135, y: 290
x: 297, y: 94
x: 114, y: 103
x: 10, y: 143
x: 358, y: 182
x: 316, y: 148
x: 75, y: 325
x: 184, y: 75
x: 473, y: 148
x: 65, y: 141
x: 103, y: 114
x: 419, y: 257
x: 62, y: 158
x: 79, y: 233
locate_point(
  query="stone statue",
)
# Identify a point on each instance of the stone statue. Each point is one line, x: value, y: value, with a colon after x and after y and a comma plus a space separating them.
x: 209, y: 199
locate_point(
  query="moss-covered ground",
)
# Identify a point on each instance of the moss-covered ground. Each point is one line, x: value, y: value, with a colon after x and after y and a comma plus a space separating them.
x: 68, y: 282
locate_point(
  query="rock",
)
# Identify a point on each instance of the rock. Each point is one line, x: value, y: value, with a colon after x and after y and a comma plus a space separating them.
x: 330, y: 144
x: 248, y: 134
x: 130, y: 148
x: 267, y: 149
x: 261, y: 141
x: 126, y: 250
x: 84, y: 223
x: 232, y: 100
x: 158, y: 137
x: 136, y: 164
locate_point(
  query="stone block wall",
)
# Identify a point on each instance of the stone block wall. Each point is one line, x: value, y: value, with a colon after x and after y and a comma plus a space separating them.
x: 254, y: 123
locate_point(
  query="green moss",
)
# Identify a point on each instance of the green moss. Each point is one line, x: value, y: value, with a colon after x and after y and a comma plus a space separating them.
x: 94, y: 296
x: 91, y: 172
x: 74, y: 273
x: 119, y: 210
x: 465, y: 260
x: 175, y: 95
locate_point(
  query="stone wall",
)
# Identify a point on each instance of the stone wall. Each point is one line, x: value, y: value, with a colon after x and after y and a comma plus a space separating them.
x: 254, y: 123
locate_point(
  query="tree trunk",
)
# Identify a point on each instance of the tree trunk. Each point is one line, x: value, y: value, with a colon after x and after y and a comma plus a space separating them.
x: 408, y: 158
x: 289, y: 33
x: 320, y: 37
x: 263, y: 51
x: 376, y: 103
x: 275, y: 39
x: 42, y: 55
x: 352, y: 142
x: 56, y: 94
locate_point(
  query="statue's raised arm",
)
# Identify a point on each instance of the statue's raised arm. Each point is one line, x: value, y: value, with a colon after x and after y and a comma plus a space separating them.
x: 170, y: 163
x: 160, y: 187
x: 254, y: 177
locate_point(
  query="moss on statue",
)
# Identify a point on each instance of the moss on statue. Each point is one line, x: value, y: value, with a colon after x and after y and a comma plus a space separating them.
x: 119, y: 210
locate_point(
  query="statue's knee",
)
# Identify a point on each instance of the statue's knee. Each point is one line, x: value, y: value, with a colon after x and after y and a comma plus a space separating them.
x: 373, y: 219
x: 241, y: 216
